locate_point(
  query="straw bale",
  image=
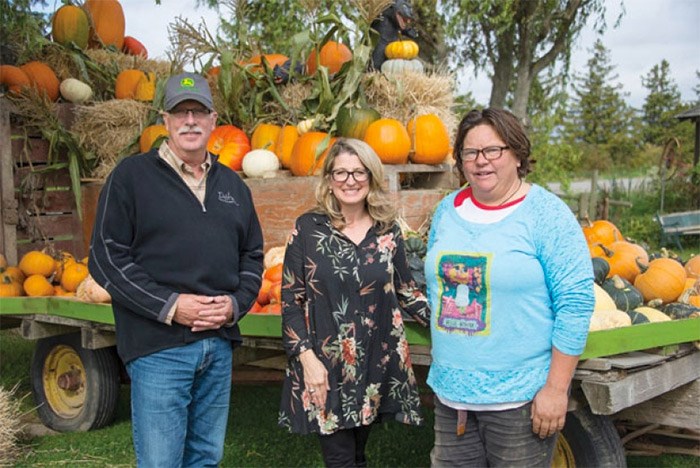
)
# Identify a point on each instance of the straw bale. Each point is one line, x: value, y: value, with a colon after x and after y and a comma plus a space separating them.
x: 104, y: 57
x: 11, y: 426
x: 293, y: 94
x: 406, y: 95
x: 110, y: 130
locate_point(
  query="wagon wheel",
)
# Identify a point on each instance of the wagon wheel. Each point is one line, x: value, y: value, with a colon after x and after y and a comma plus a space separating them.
x: 75, y: 389
x: 668, y: 162
x: 588, y: 440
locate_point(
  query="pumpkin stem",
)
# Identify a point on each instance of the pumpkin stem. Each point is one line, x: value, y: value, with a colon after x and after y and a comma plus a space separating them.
x: 655, y: 303
x: 606, y: 251
x: 588, y: 221
x: 643, y: 267
x: 617, y: 282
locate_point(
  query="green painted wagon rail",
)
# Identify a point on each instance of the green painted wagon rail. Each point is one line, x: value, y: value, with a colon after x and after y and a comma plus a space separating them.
x: 600, y: 343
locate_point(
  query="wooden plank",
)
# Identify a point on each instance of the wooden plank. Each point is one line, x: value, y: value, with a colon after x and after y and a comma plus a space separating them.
x: 25, y: 177
x: 49, y: 226
x: 635, y: 359
x: 33, y: 330
x: 44, y: 201
x: 610, y: 397
x: 677, y: 408
x: 8, y: 202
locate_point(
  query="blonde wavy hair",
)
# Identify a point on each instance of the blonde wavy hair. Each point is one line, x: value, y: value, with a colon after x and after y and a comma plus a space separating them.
x: 378, y: 202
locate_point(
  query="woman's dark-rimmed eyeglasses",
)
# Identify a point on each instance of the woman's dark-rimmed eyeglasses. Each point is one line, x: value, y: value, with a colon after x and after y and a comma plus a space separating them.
x: 490, y: 153
x: 342, y: 175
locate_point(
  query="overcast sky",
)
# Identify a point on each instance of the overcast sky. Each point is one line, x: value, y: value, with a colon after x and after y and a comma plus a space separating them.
x: 651, y: 30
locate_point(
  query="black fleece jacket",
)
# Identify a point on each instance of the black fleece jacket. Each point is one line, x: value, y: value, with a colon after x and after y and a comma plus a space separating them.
x: 153, y: 240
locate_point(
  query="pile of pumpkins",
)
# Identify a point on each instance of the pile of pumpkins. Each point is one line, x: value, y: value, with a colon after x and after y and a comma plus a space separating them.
x: 39, y: 274
x: 97, y: 24
x: 634, y: 287
x: 269, y: 300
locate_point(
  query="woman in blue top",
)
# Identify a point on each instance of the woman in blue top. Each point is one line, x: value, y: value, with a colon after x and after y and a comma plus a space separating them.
x: 510, y: 284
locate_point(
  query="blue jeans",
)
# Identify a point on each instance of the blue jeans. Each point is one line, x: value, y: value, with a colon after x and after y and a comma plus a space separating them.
x: 492, y: 438
x: 179, y: 404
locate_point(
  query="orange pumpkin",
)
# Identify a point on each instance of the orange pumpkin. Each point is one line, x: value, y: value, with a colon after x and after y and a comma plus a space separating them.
x: 264, y: 292
x: 13, y: 78
x: 232, y: 154
x: 73, y: 274
x: 430, y: 142
x: 108, y: 23
x: 150, y: 136
x: 601, y: 231
x: 224, y: 134
x: 38, y: 285
x: 390, y: 140
x: 14, y: 273
x: 692, y: 267
x: 70, y: 24
x: 213, y: 72
x: 333, y: 56
x: 43, y: 78
x: 272, y: 309
x: 624, y: 259
x: 133, y: 46
x: 288, y: 136
x: 10, y: 288
x: 662, y: 278
x: 309, y: 152
x: 36, y: 262
x: 146, y: 87
x: 265, y: 136
x: 126, y: 83
x: 274, y: 273
x: 276, y: 293
x: 271, y: 59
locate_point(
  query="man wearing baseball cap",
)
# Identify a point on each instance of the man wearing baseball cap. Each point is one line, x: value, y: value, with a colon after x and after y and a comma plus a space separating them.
x: 177, y: 244
x: 394, y: 23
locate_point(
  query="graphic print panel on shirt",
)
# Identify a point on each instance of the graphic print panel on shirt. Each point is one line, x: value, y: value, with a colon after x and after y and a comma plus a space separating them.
x: 463, y: 281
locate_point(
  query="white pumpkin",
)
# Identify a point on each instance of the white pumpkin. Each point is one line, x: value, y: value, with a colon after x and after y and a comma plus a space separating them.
x: 75, y: 91
x: 274, y: 256
x: 607, y: 319
x: 305, y: 126
x: 401, y: 66
x: 260, y: 163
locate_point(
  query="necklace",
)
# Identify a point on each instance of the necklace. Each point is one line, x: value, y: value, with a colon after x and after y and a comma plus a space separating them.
x: 512, y: 194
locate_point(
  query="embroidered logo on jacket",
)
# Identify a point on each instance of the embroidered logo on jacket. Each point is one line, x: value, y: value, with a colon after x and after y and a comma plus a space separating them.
x: 463, y: 287
x: 227, y: 198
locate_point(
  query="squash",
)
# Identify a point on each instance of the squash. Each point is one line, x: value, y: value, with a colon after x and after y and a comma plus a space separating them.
x: 663, y: 278
x: 415, y: 245
x: 692, y: 267
x: 626, y: 296
x: 146, y: 87
x: 10, y: 288
x: 42, y: 78
x: 430, y: 142
x: 274, y: 273
x: 265, y: 136
x: 271, y: 59
x: 151, y: 136
x: 107, y: 21
x: 126, y: 83
x: 288, y: 136
x: 62, y: 261
x: 603, y: 301
x: 75, y: 91
x: 13, y: 78
x: 395, y: 66
x: 390, y: 140
x: 133, y: 46
x: 401, y: 50
x: 601, y: 268
x: 14, y: 273
x: 260, y: 163
x: 332, y: 56
x: 37, y: 263
x: 601, y: 231
x: 645, y: 314
x: 3, y: 262
x: 681, y: 310
x: 274, y: 256
x: 306, y: 125
x: 691, y: 295
x: 38, y: 285
x: 73, y: 274
x: 225, y: 134
x: 232, y: 154
x: 607, y: 319
x: 70, y: 24
x: 89, y: 291
x: 352, y: 122
x: 624, y: 259
x: 309, y: 152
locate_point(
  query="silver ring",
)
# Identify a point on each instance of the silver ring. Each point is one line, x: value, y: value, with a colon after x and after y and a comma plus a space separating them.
x: 311, y: 390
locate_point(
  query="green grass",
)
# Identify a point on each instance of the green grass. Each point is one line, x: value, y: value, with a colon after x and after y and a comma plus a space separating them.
x: 253, y: 438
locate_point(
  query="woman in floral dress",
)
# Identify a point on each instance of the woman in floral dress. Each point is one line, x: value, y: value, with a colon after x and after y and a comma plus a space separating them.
x: 346, y: 283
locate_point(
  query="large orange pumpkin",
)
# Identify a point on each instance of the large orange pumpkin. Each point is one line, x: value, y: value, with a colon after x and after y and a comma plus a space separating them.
x: 265, y: 136
x: 133, y: 46
x: 601, y: 231
x: 126, y: 83
x: 150, y: 136
x: 70, y: 24
x: 285, y: 144
x: 108, y: 23
x: 663, y: 278
x: 390, y: 140
x: 13, y: 78
x: 43, y: 78
x: 333, y: 56
x: 146, y: 87
x: 271, y: 59
x: 692, y: 267
x: 225, y: 134
x: 309, y: 152
x: 624, y: 259
x: 430, y: 142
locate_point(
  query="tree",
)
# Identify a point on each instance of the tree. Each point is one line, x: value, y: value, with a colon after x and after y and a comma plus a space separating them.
x: 517, y: 39
x: 599, y: 117
x: 661, y: 104
x: 697, y: 87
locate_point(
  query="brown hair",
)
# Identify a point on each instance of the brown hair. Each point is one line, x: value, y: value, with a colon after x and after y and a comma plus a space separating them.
x: 506, y: 125
x: 379, y: 205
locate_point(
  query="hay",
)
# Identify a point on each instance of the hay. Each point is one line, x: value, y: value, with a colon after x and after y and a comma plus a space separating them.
x: 110, y: 130
x: 108, y: 58
x: 406, y: 95
x: 293, y: 94
x: 10, y: 427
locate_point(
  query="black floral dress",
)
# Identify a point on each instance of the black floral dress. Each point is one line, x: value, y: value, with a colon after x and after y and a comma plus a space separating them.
x: 344, y: 301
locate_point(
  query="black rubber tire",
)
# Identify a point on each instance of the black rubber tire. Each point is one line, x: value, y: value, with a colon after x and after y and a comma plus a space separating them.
x: 590, y: 441
x: 91, y: 405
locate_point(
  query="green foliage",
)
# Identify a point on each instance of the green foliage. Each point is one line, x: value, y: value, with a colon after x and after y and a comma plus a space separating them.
x: 661, y: 104
x: 21, y: 30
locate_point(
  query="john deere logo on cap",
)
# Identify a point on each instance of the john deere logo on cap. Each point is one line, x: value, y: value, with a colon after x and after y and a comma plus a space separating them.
x: 187, y: 83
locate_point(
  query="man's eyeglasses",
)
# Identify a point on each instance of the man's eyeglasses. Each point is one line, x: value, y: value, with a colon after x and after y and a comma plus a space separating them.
x: 183, y: 113
x: 342, y: 175
x: 490, y: 153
